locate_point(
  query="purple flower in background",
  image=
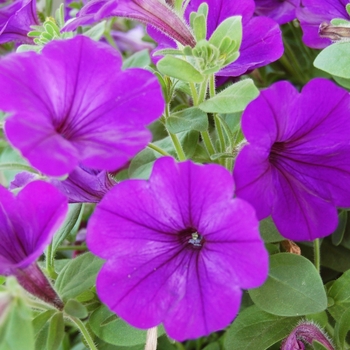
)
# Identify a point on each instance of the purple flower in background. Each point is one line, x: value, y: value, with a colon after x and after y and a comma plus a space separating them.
x: 261, y: 42
x: 83, y: 185
x: 314, y: 13
x: 305, y: 333
x: 16, y: 19
x: 72, y: 104
x: 296, y: 166
x: 179, y: 249
x: 153, y: 12
x: 282, y: 11
x: 28, y: 222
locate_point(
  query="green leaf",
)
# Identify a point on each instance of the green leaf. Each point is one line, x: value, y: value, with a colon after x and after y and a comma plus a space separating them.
x: 269, y: 232
x: 338, y: 234
x: 41, y: 320
x: 188, y: 119
x: 231, y: 27
x: 341, y: 329
x: 179, y: 69
x: 78, y: 276
x: 335, y: 59
x: 96, y: 31
x: 107, y: 326
x: 56, y: 331
x: 75, y: 309
x: 139, y: 59
x: 257, y: 329
x: 320, y: 318
x: 233, y: 99
x: 16, y: 331
x: 293, y: 288
x: 343, y: 82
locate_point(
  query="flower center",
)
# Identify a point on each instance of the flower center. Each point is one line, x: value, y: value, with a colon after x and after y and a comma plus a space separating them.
x: 191, y: 238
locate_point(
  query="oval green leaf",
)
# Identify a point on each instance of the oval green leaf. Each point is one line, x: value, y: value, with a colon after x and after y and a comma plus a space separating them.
x: 293, y: 288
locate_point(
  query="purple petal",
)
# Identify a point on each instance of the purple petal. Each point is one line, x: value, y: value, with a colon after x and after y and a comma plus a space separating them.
x: 297, y: 165
x: 85, y: 185
x: 252, y: 174
x: 16, y: 20
x: 154, y: 274
x: 280, y: 11
x: 28, y: 222
x: 313, y: 13
x: 79, y: 107
x: 261, y: 45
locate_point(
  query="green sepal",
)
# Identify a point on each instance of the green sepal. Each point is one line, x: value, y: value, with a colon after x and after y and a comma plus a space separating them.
x: 188, y: 119
x: 59, y: 16
x: 233, y: 99
x: 75, y: 309
x: 230, y: 27
x: 199, y: 27
x: 179, y: 69
x: 52, y: 29
x: 293, y: 288
x: 347, y: 8
x: 56, y: 331
x: 174, y: 52
x: 318, y: 346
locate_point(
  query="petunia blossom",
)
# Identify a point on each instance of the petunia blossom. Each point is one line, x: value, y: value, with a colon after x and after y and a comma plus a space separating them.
x: 16, y: 19
x: 179, y: 249
x: 83, y: 185
x: 72, y: 104
x: 313, y: 13
x: 28, y: 222
x: 296, y: 166
x: 154, y: 12
x: 261, y: 42
x: 282, y: 11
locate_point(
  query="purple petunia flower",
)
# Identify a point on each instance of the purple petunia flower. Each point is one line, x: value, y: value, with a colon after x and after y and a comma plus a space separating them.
x: 179, y: 249
x: 16, y: 19
x: 72, y: 104
x: 314, y: 13
x: 282, y: 11
x: 296, y: 166
x: 28, y: 222
x: 153, y: 12
x: 261, y: 42
x: 83, y: 185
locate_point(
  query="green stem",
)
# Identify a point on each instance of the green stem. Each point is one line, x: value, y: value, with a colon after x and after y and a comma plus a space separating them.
x: 317, y: 254
x: 229, y: 164
x: 202, y: 91
x: 50, y: 262
x: 194, y: 94
x: 48, y: 7
x: 212, y: 85
x: 110, y: 40
x: 158, y: 149
x: 220, y: 133
x: 179, y: 151
x: 208, y: 143
x: 85, y: 333
x: 17, y: 166
x: 72, y: 247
